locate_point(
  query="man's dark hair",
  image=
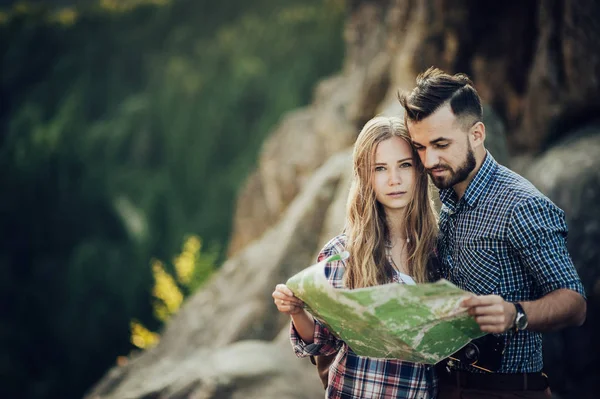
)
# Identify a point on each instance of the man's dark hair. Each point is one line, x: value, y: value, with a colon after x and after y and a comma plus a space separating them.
x: 435, y: 89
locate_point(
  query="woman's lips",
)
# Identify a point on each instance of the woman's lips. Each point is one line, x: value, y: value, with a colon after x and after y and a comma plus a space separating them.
x: 396, y: 194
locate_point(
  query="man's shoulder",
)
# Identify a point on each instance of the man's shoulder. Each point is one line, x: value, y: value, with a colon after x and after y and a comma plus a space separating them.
x: 512, y: 189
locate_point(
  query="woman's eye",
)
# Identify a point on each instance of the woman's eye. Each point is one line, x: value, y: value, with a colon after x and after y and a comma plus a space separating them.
x: 405, y: 165
x: 379, y: 168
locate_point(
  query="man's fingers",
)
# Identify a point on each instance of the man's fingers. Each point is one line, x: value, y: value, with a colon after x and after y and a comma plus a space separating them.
x: 467, y: 303
x: 490, y: 320
x: 495, y: 309
x: 482, y: 300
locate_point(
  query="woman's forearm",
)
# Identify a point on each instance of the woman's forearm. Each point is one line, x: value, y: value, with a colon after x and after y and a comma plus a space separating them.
x: 305, y: 325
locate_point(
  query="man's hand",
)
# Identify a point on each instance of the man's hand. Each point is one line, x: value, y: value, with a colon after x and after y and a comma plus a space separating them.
x: 491, y: 312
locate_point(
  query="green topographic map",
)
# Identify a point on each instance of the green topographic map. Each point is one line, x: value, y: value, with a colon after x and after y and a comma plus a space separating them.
x: 421, y: 323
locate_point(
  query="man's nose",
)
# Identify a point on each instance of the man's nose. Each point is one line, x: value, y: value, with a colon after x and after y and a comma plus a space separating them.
x: 429, y: 159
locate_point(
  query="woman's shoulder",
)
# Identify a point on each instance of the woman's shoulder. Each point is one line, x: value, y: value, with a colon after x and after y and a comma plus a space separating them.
x: 336, y: 245
x: 334, y: 271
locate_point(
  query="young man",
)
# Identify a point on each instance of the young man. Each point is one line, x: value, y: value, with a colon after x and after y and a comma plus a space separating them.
x: 500, y: 239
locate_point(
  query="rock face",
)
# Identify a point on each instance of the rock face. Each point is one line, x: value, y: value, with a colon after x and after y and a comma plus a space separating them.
x: 209, y: 348
x: 536, y: 66
x: 569, y: 174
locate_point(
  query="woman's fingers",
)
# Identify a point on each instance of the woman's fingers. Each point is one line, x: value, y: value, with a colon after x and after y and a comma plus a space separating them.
x: 287, y: 307
x: 285, y: 300
x: 285, y: 294
x: 284, y: 289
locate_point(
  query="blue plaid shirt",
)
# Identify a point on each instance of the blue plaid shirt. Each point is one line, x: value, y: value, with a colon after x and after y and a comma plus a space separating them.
x: 504, y: 237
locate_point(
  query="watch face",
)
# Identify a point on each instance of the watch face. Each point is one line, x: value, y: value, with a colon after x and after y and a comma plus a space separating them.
x: 521, y: 321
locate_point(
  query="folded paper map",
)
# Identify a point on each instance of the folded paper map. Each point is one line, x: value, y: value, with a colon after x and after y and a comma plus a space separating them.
x: 421, y: 323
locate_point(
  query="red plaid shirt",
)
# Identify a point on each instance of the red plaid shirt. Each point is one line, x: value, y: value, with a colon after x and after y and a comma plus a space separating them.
x: 353, y: 376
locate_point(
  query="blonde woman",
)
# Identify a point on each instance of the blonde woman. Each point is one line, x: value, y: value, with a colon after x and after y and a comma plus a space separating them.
x: 390, y: 233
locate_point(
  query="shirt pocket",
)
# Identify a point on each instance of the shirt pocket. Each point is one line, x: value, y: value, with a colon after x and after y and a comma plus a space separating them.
x: 480, y: 267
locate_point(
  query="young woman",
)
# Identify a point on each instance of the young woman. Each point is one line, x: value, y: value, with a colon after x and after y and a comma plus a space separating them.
x: 390, y: 233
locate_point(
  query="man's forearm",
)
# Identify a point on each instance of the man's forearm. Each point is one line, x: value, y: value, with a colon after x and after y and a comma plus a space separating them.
x: 556, y: 310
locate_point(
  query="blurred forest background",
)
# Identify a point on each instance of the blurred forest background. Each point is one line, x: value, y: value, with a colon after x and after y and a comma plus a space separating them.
x: 127, y: 128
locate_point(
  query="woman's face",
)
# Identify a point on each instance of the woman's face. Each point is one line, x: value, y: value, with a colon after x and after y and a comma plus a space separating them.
x: 393, y: 174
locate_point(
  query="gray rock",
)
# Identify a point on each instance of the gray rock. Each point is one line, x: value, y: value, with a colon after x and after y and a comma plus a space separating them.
x: 569, y: 174
x: 200, y: 354
x: 495, y: 136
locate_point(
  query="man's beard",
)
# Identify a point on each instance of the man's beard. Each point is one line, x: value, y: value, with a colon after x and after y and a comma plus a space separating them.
x: 455, y: 177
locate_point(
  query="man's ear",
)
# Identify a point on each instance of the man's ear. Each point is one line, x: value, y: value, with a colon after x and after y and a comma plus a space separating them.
x: 477, y: 134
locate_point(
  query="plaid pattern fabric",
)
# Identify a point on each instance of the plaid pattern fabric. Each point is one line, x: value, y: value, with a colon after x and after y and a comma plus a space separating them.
x: 504, y: 237
x: 353, y: 376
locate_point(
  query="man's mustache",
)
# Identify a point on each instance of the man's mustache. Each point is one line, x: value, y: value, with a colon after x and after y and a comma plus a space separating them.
x: 438, y: 167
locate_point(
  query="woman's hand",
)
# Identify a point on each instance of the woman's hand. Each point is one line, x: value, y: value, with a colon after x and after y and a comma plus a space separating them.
x: 287, y: 303
x: 285, y: 300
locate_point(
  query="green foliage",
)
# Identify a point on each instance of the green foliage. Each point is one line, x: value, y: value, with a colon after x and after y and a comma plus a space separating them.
x: 123, y: 131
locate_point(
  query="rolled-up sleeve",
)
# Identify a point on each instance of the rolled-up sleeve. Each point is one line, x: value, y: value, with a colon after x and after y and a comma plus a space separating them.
x: 538, y: 232
x: 324, y: 343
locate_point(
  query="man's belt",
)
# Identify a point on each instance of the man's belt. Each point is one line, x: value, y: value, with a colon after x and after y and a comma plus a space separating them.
x: 495, y: 381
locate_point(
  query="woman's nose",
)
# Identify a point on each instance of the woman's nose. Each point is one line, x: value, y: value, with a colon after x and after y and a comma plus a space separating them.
x: 394, y: 178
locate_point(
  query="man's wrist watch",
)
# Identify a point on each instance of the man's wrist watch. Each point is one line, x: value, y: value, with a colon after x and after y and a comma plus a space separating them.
x: 521, y: 318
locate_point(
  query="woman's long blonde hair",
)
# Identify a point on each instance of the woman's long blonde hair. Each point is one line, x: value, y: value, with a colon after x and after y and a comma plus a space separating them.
x: 366, y: 226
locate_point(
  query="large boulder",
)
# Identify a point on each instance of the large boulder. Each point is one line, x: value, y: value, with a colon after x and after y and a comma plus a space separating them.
x: 569, y: 173
x: 565, y: 74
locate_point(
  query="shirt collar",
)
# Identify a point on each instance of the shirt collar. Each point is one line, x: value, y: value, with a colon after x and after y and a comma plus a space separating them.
x: 476, y: 187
